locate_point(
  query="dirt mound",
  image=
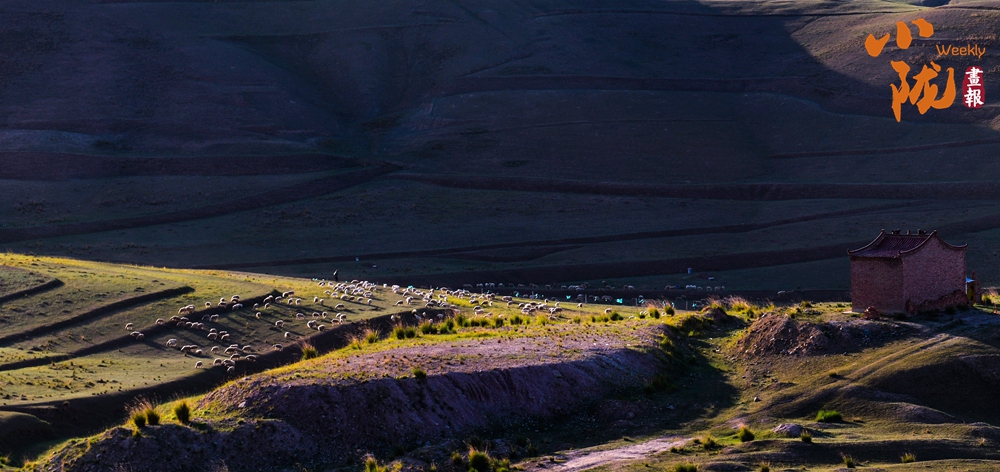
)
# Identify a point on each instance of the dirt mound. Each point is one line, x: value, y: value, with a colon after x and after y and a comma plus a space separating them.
x: 332, y: 411
x: 775, y: 334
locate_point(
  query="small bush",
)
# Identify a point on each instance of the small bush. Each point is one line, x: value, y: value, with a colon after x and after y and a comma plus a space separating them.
x: 399, y: 332
x: 410, y: 332
x: 456, y: 458
x: 309, y: 351
x: 805, y: 304
x: 541, y: 320
x: 450, y: 325
x: 642, y: 315
x: 152, y: 417
x: 709, y: 443
x: 745, y: 435
x: 806, y: 437
x: 849, y: 461
x: 183, y: 412
x: 419, y: 373
x: 428, y: 328
x: 688, y: 467
x: 532, y: 450
x: 577, y: 320
x: 372, y: 465
x: 654, y: 313
x: 829, y: 416
x: 765, y: 467
x: 908, y: 458
x: 615, y: 316
x: 139, y: 419
x: 479, y: 461
x: 516, y: 320
x: 372, y: 336
x: 497, y: 322
x: 670, y: 311
x: 461, y: 320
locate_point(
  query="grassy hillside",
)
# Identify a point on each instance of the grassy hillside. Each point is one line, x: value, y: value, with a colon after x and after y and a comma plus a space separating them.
x: 588, y: 141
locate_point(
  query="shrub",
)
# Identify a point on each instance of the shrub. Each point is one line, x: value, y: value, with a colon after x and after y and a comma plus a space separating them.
x: 615, y: 316
x: 152, y: 417
x: 419, y: 373
x: 479, y: 461
x: 669, y: 310
x: 411, y: 332
x: 660, y: 383
x: 765, y: 467
x: 309, y: 351
x: 848, y: 461
x: 462, y: 320
x: 806, y: 437
x: 654, y: 313
x: 372, y: 465
x: 427, y: 328
x: 642, y: 315
x: 541, y: 320
x: 805, y: 304
x: 708, y: 442
x: 456, y: 458
x: 497, y: 322
x: 829, y: 416
x: 139, y: 419
x: 516, y: 320
x: 532, y: 450
x: 399, y: 332
x: 450, y: 325
x: 687, y: 467
x: 183, y: 412
x: 745, y: 435
x: 372, y: 335
x: 577, y: 320
x: 908, y: 458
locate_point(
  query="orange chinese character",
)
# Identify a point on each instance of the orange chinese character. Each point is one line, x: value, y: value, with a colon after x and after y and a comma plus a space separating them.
x: 921, y: 86
x: 903, y: 36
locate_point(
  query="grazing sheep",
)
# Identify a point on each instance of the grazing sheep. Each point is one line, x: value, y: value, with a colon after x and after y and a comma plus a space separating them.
x: 171, y: 342
x: 224, y: 337
x: 256, y: 306
x: 311, y: 324
x: 216, y: 362
x: 231, y: 369
x: 279, y: 324
x: 268, y: 298
x: 267, y: 305
x: 251, y: 358
x: 208, y: 304
x: 340, y: 306
x: 235, y: 357
x: 213, y: 336
x: 213, y: 318
x: 579, y: 305
x: 197, y: 365
x: 287, y: 335
x: 140, y: 337
x: 238, y: 306
x: 130, y: 326
x: 315, y: 299
x: 399, y: 303
x: 215, y: 349
x: 321, y: 327
x: 300, y: 316
x: 246, y: 348
x: 277, y: 347
x: 198, y: 352
x: 286, y: 294
x: 160, y: 321
x: 258, y: 315
x: 608, y: 311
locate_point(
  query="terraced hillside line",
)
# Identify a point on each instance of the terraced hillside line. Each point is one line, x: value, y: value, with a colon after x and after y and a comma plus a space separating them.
x: 610, y: 270
x: 43, y: 287
x: 292, y: 193
x: 896, y: 150
x: 64, y: 166
x: 459, y: 252
x: 581, y: 82
x: 602, y: 11
x: 120, y: 305
x: 968, y: 190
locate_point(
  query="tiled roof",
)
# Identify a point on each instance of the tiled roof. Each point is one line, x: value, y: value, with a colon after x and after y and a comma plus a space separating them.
x: 895, y: 245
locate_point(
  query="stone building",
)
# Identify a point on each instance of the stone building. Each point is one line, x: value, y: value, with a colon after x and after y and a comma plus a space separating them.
x: 908, y: 273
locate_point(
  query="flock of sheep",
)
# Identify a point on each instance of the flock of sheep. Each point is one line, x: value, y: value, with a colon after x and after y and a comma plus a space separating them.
x: 361, y: 292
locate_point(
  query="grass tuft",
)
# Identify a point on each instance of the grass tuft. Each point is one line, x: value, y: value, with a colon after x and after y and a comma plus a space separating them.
x: 829, y: 416
x: 309, y: 351
x: 745, y: 435
x: 183, y: 412
x: 372, y: 335
x: 765, y: 467
x: 419, y: 373
x: 479, y: 461
x: 908, y: 458
x: 849, y: 461
x: 709, y: 443
x: 806, y: 437
x: 686, y: 467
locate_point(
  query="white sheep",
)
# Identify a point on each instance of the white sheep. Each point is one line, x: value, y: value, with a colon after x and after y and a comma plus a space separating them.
x: 216, y: 362
x: 197, y: 365
x: 171, y: 342
x: 287, y: 335
x: 160, y: 321
x: 279, y: 324
x: 277, y: 347
x: 129, y: 326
